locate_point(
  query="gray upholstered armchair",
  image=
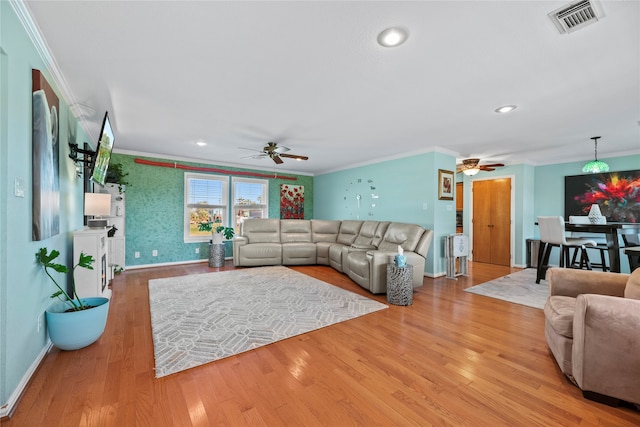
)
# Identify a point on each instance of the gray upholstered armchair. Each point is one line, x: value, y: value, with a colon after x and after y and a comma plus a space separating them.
x: 593, y: 330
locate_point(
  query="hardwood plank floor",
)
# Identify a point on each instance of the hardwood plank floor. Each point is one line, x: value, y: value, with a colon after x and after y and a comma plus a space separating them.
x: 450, y: 359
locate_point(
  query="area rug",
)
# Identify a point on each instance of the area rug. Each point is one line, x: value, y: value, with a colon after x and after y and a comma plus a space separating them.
x: 519, y: 288
x: 201, y: 318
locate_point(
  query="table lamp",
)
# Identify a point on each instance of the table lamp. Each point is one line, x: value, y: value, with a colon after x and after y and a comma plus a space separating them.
x: 97, y: 205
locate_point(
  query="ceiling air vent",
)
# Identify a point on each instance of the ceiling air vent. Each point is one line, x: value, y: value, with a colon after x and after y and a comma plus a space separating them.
x: 577, y: 15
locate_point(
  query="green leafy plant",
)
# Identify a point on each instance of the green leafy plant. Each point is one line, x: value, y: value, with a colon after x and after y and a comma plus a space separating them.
x: 46, y: 259
x: 116, y: 175
x: 227, y: 232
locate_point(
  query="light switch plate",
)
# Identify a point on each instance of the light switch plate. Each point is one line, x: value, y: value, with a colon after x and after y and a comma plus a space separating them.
x: 18, y: 187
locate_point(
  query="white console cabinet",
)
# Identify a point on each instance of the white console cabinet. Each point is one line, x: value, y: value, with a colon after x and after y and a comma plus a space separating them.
x: 92, y: 283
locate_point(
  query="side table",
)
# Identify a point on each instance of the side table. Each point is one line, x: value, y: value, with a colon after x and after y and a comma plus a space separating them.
x: 216, y: 254
x: 400, y: 284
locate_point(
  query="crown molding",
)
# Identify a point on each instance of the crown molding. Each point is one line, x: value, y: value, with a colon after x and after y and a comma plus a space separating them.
x: 41, y: 46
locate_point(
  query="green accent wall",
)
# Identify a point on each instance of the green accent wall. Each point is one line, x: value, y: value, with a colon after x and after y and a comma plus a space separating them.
x: 155, y: 208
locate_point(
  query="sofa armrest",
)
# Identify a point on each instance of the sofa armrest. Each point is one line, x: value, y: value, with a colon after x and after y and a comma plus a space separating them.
x: 572, y: 282
x: 238, y: 241
x: 606, y: 345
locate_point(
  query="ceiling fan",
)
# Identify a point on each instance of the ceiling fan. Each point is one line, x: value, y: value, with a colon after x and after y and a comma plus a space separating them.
x: 275, y: 153
x: 473, y: 166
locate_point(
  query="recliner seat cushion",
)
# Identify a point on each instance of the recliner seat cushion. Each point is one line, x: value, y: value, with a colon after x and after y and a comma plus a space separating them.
x: 558, y: 311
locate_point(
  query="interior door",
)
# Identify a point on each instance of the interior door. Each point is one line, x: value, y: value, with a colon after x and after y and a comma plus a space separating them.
x: 492, y: 221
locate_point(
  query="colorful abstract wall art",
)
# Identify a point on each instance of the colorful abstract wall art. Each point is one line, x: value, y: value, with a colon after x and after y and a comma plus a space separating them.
x: 616, y: 193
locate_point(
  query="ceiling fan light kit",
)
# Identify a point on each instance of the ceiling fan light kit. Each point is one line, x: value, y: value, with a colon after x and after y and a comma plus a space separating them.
x: 471, y: 167
x: 595, y: 166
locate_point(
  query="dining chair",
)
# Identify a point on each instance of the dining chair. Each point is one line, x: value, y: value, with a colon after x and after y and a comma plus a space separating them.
x: 552, y: 234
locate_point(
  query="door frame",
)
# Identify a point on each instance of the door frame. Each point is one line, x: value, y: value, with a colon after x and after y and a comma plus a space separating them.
x: 512, y: 229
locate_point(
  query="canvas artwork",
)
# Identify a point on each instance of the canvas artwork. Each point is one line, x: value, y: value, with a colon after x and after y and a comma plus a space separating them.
x: 291, y: 201
x: 45, y: 160
x: 616, y: 193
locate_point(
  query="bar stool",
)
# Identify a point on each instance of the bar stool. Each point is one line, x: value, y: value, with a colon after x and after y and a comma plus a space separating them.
x: 601, y: 242
x: 552, y: 234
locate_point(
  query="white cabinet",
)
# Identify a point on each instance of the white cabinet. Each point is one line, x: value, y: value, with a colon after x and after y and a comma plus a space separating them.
x: 116, y: 218
x: 92, y: 283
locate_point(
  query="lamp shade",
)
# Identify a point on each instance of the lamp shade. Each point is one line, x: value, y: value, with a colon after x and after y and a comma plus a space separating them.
x: 97, y: 204
x: 595, y: 166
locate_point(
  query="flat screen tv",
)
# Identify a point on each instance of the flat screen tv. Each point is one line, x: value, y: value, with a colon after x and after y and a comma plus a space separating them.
x: 100, y: 162
x: 616, y: 193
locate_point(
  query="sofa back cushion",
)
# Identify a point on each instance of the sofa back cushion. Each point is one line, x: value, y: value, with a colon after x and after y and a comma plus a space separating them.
x: 379, y: 235
x: 261, y: 230
x: 632, y: 290
x: 295, y: 230
x: 365, y: 237
x: 323, y: 230
x: 349, y: 229
x: 399, y: 234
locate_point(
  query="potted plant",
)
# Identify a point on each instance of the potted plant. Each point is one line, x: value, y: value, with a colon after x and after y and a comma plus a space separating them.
x: 74, y: 322
x: 217, y: 231
x: 217, y: 249
x: 116, y: 175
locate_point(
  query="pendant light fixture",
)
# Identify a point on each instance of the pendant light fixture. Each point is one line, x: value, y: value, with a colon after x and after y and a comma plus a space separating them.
x: 595, y: 166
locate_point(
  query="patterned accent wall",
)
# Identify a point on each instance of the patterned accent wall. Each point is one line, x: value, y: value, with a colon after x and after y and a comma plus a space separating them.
x: 154, y: 210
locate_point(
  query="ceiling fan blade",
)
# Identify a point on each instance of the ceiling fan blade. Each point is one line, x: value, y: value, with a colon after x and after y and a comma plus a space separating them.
x: 277, y: 159
x: 294, y: 156
x: 250, y: 149
x: 487, y: 169
x: 493, y: 165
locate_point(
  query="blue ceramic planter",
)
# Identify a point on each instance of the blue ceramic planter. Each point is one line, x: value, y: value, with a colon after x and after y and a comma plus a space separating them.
x: 77, y: 329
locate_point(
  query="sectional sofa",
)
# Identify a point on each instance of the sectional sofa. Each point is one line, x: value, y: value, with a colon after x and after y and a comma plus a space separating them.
x: 360, y: 249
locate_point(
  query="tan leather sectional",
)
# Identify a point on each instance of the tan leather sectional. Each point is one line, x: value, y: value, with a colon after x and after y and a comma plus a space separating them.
x: 360, y: 249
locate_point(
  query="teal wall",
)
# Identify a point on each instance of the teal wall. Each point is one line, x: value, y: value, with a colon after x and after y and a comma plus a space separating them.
x: 155, y: 209
x: 406, y: 191
x: 24, y: 292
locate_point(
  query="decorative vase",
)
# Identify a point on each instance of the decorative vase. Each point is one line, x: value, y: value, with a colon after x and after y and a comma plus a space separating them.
x: 595, y: 216
x: 74, y: 330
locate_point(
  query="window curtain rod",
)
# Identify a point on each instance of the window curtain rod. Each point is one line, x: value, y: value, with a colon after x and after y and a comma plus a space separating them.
x: 175, y: 165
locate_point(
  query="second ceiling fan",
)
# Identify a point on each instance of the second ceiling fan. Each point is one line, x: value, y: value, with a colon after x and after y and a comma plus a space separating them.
x: 473, y: 166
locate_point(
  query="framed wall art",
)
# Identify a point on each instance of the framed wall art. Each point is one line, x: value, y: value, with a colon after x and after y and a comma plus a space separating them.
x: 445, y: 184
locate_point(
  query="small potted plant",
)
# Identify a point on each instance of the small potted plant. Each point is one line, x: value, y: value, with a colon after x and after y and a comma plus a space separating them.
x: 217, y: 249
x: 115, y: 175
x: 217, y: 231
x: 74, y: 322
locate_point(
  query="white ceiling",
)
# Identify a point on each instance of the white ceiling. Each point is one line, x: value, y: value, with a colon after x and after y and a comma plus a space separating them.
x: 310, y: 76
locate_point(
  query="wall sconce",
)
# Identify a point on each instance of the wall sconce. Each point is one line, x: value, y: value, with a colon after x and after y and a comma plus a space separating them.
x: 97, y: 205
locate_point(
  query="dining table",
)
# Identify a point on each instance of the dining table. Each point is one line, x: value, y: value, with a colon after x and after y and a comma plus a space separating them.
x: 612, y: 231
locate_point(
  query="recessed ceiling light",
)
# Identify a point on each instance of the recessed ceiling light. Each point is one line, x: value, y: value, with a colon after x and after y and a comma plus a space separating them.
x: 505, y: 109
x: 392, y: 37
x: 201, y: 143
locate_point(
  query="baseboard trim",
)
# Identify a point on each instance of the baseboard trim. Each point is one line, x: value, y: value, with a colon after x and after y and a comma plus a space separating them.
x: 166, y: 264
x: 7, y: 409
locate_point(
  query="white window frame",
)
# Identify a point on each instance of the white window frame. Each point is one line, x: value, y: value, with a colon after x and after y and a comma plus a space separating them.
x: 264, y: 206
x: 187, y: 207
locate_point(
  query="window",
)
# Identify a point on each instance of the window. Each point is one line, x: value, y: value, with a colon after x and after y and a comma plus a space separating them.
x: 206, y: 199
x: 250, y: 200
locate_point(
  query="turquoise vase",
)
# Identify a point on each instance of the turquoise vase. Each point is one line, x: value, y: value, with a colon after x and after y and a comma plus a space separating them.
x: 77, y: 329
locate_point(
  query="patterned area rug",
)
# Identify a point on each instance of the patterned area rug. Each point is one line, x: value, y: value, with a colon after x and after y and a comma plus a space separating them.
x: 519, y: 287
x: 205, y: 317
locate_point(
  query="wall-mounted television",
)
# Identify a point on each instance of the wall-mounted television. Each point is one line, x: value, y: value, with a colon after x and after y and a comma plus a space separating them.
x: 100, y: 163
x: 616, y: 193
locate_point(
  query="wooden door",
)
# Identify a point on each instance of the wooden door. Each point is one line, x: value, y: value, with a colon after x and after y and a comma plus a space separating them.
x: 492, y: 221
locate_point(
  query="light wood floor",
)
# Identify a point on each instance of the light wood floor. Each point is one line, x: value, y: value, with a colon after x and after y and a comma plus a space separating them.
x: 452, y: 358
